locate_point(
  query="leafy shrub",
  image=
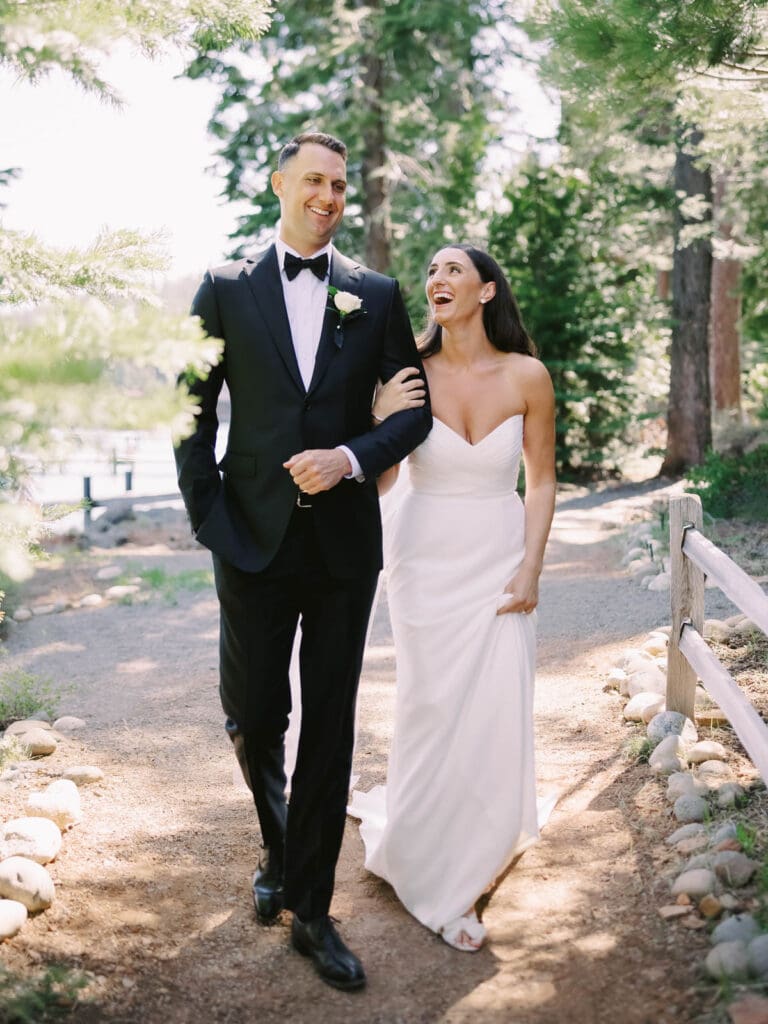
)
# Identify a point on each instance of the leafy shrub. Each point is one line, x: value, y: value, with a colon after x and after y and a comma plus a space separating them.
x: 733, y: 487
x: 12, y: 750
x: 48, y: 996
x: 9, y: 599
x: 22, y: 694
x: 169, y: 585
x: 575, y: 245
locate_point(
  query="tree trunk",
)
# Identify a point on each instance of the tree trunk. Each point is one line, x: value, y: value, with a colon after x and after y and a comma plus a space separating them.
x: 689, y: 421
x: 375, y: 200
x: 724, y: 337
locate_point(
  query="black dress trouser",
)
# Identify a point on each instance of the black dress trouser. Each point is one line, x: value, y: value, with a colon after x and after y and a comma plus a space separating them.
x: 259, y: 614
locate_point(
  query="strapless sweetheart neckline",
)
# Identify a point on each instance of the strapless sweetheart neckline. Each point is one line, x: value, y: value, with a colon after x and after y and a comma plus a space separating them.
x: 476, y: 444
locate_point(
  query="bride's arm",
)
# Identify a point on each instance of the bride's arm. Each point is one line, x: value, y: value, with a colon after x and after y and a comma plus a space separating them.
x: 404, y: 390
x: 539, y: 458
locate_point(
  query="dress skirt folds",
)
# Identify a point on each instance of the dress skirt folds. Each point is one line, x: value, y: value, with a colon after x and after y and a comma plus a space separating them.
x: 460, y: 799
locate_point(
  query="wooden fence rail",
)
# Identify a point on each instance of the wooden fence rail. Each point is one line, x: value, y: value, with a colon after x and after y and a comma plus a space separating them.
x: 689, y: 657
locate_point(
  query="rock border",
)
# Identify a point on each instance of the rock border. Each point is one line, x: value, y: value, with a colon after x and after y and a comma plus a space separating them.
x: 28, y: 844
x: 710, y: 881
x: 116, y: 592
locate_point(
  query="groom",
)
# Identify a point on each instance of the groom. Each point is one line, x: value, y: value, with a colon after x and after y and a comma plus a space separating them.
x: 294, y: 523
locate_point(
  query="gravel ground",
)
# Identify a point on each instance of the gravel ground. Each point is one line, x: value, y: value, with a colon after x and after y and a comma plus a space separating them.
x: 153, y: 887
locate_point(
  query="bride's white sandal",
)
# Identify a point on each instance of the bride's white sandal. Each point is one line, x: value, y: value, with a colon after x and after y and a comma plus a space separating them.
x: 465, y: 933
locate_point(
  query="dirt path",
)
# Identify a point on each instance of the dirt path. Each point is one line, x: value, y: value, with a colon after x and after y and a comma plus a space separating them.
x: 153, y: 886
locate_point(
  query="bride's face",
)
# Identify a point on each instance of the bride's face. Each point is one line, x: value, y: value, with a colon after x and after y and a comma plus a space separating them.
x: 455, y: 291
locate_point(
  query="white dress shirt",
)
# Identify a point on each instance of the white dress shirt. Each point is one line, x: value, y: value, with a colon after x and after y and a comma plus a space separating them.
x: 306, y: 298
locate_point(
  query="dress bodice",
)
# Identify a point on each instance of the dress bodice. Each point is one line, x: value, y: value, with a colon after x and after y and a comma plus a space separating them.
x: 445, y: 463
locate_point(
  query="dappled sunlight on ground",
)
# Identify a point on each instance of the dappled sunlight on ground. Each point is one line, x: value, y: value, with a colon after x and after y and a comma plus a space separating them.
x: 153, y: 887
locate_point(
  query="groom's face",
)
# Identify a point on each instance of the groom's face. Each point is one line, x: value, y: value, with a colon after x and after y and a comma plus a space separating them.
x: 312, y: 189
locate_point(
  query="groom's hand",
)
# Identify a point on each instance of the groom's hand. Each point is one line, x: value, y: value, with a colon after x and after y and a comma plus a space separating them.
x: 318, y: 469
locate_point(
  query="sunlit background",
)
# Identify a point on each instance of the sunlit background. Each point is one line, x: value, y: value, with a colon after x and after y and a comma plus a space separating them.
x: 150, y: 164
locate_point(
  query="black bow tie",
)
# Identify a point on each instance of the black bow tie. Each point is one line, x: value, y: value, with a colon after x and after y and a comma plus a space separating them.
x: 292, y: 265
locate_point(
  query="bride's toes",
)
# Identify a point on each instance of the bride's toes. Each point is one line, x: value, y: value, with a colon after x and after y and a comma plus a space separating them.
x: 465, y: 933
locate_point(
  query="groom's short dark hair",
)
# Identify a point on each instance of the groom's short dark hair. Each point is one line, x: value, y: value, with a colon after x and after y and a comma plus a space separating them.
x: 316, y: 138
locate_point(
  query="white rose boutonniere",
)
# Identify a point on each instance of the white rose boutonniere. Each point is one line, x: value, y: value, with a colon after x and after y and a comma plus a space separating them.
x: 346, y: 302
x: 347, y: 306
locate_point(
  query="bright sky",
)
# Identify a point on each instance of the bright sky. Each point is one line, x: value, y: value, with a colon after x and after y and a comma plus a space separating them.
x: 87, y: 165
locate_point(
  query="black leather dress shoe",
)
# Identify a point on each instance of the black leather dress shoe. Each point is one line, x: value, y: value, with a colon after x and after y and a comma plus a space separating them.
x: 268, y: 889
x: 335, y: 964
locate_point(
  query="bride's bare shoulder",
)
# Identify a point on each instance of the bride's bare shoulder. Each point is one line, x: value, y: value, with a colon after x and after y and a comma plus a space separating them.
x: 527, y: 368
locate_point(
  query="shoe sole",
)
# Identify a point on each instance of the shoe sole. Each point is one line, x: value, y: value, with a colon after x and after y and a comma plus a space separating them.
x: 267, y: 922
x: 344, y: 986
x: 266, y: 919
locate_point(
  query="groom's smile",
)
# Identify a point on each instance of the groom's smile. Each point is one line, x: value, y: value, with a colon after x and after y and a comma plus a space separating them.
x: 312, y: 191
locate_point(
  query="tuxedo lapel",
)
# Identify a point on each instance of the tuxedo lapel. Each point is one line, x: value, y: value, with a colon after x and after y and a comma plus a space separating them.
x: 346, y: 276
x: 266, y: 287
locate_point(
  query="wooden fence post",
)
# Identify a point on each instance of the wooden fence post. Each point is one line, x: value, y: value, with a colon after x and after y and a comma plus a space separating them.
x: 687, y: 597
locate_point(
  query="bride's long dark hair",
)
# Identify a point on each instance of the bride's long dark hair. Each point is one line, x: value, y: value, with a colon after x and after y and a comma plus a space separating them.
x: 501, y: 315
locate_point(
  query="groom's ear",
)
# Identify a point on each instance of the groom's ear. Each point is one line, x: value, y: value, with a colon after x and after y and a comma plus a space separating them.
x: 277, y: 183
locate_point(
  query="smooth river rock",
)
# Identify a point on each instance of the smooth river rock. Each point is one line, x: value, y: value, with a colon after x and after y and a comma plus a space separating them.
x: 60, y: 802
x: 36, y: 838
x: 741, y: 927
x: 696, y: 883
x: 707, y: 750
x: 12, y: 917
x: 690, y: 808
x: 28, y: 882
x: 671, y: 723
x: 69, y: 723
x: 728, y: 960
x: 83, y: 774
x: 35, y: 736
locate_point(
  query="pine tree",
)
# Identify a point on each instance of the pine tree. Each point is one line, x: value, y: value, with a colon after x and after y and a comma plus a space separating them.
x: 403, y: 84
x: 84, y: 342
x: 579, y: 268
x: 674, y: 70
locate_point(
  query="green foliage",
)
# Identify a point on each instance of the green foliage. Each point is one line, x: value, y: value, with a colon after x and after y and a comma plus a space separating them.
x: 638, y: 749
x: 643, y: 70
x: 47, y: 996
x: 747, y: 837
x: 87, y: 356
x: 633, y: 56
x: 9, y: 596
x: 403, y: 84
x: 732, y: 486
x: 118, y: 264
x: 169, y: 585
x: 84, y: 343
x: 23, y: 694
x: 6, y: 176
x: 752, y: 223
x: 72, y: 35
x: 12, y: 750
x: 582, y: 276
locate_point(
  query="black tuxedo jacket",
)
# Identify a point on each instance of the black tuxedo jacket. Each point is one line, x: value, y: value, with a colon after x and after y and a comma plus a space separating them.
x: 243, y: 516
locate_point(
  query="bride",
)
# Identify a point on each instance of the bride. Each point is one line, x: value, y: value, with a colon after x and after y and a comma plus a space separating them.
x: 463, y: 557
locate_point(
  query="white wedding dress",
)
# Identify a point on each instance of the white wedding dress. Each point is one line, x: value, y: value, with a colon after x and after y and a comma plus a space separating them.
x: 460, y: 800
